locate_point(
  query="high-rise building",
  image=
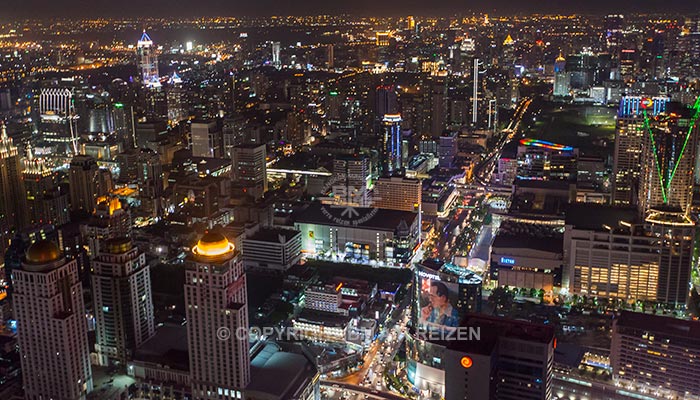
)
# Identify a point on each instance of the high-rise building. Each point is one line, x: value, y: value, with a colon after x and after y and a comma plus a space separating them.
x: 398, y: 193
x: 51, y: 325
x: 151, y: 183
x: 447, y: 151
x: 108, y: 220
x: 351, y: 180
x: 386, y: 101
x: 207, y: 139
x: 410, y: 23
x: 276, y: 61
x: 217, y: 319
x: 58, y: 117
x: 392, y: 160
x: 656, y: 353
x: 511, y: 360
x: 121, y: 284
x: 249, y: 168
x: 12, y: 194
x: 84, y: 181
x: 175, y: 95
x: 148, y: 61
x: 330, y: 56
x: 46, y: 202
x: 627, y: 156
x: 613, y: 253
x: 668, y: 157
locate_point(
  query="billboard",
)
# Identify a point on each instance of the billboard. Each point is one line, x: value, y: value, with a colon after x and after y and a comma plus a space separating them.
x: 437, y: 303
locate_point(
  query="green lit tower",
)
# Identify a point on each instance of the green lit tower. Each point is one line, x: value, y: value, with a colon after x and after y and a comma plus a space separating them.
x: 668, y: 158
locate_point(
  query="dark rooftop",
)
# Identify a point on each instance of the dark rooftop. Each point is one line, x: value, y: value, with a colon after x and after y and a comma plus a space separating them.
x: 370, y: 218
x: 660, y: 325
x: 594, y: 216
x: 273, y: 235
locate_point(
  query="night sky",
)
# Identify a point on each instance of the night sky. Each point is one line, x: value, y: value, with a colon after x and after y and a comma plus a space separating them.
x: 130, y: 8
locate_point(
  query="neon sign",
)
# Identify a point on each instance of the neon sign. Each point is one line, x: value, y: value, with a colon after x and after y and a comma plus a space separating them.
x: 545, y: 144
x: 506, y: 260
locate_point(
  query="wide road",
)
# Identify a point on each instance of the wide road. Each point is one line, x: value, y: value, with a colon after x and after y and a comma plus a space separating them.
x: 482, y: 173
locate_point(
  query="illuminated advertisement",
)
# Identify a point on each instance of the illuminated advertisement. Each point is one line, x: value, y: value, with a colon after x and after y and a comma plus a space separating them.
x: 438, y: 303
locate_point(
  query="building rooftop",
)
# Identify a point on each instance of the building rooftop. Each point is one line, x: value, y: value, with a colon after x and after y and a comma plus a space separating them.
x: 660, y: 325
x: 279, y: 373
x: 366, y: 217
x: 494, y: 328
x: 595, y: 217
x: 276, y: 235
x: 525, y: 241
x: 168, y: 346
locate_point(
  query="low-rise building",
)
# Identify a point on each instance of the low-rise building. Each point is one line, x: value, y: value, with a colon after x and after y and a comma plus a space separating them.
x: 272, y: 249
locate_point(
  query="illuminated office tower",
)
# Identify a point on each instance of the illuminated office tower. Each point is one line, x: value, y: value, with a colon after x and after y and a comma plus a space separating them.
x: 276, y: 61
x: 148, y: 61
x: 108, y: 220
x: 391, y: 143
x: 627, y: 157
x: 398, y: 193
x: 121, y: 283
x: 249, y: 168
x: 175, y: 96
x: 51, y: 325
x: 668, y: 157
x: 207, y: 139
x: 656, y: 353
x: 12, y: 195
x: 46, y: 202
x: 217, y: 319
x: 611, y: 252
x: 351, y: 180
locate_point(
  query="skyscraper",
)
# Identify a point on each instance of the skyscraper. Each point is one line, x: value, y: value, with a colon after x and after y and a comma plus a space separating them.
x: 351, y: 180
x: 668, y: 154
x: 51, y: 325
x: 207, y: 139
x: 276, y: 61
x: 629, y: 133
x: 656, y: 352
x: 121, y: 284
x: 249, y: 169
x: 217, y: 319
x: 12, y: 195
x: 386, y: 101
x: 108, y: 220
x: 391, y: 144
x: 148, y: 61
x: 40, y: 187
x: 83, y: 177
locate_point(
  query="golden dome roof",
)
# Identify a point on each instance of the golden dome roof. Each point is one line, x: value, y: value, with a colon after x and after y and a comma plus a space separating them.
x: 213, y: 244
x: 43, y: 252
